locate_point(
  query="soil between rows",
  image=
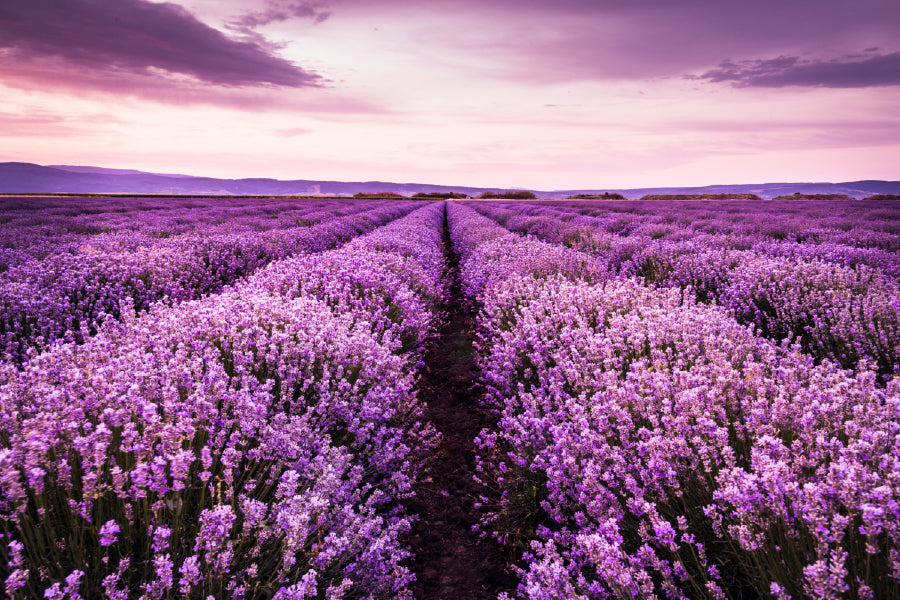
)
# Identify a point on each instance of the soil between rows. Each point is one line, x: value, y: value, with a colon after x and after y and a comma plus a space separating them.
x: 451, y: 562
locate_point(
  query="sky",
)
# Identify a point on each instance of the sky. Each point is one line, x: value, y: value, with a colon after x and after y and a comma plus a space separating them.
x: 538, y: 94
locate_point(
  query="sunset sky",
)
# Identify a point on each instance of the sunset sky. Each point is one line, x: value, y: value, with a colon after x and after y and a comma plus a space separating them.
x: 542, y: 94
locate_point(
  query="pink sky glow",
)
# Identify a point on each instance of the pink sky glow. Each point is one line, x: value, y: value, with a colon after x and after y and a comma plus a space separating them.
x: 542, y: 94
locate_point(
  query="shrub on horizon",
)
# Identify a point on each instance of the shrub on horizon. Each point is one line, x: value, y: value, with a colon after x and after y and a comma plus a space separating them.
x: 517, y: 195
x: 603, y: 196
x: 369, y: 195
x: 441, y: 195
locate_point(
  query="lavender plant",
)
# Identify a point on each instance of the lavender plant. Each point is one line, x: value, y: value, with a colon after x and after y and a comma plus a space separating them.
x: 652, y: 446
x: 253, y: 444
x: 842, y: 305
x: 70, y: 294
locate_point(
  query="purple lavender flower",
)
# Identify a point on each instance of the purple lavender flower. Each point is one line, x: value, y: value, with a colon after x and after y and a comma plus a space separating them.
x: 108, y: 533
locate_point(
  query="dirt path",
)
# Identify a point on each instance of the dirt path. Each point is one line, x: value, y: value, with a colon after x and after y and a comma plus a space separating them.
x: 451, y: 562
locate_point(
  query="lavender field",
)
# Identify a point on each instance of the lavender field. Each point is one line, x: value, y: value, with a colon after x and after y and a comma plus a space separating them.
x: 237, y: 398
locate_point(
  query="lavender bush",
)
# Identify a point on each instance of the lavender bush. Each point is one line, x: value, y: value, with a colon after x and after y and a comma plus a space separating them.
x: 42, y: 301
x: 839, y: 302
x: 652, y: 446
x: 34, y: 228
x: 253, y: 444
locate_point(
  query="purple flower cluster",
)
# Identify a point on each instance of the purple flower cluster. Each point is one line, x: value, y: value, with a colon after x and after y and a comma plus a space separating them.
x: 858, y: 224
x: 37, y: 227
x: 488, y: 253
x: 253, y: 444
x: 387, y: 281
x: 885, y: 261
x: 69, y: 293
x: 850, y: 234
x: 848, y: 315
x: 840, y: 302
x: 652, y: 446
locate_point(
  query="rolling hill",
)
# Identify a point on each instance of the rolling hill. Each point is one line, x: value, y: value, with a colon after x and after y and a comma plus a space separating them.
x: 19, y: 178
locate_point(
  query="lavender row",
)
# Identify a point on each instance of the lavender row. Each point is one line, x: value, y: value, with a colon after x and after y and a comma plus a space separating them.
x: 650, y: 445
x: 162, y: 229
x: 489, y: 253
x: 388, y: 280
x: 850, y: 315
x: 70, y: 294
x: 628, y: 233
x: 253, y: 444
x: 630, y: 239
x: 34, y: 228
x: 859, y: 224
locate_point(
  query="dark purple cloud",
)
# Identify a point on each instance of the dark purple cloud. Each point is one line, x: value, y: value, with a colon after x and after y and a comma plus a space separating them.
x: 57, y: 75
x: 277, y: 11
x: 139, y: 37
x: 847, y: 72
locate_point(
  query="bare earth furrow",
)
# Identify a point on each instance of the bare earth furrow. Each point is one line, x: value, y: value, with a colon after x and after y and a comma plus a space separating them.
x: 451, y: 562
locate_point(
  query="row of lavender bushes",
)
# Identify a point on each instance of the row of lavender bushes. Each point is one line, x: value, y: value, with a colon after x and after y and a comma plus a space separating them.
x: 650, y: 446
x: 252, y: 444
x: 858, y: 224
x: 42, y: 301
x: 787, y: 229
x: 849, y: 313
x: 792, y: 229
x: 34, y: 228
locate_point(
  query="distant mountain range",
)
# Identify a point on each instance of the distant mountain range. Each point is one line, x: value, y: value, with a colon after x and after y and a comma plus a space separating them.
x: 17, y: 178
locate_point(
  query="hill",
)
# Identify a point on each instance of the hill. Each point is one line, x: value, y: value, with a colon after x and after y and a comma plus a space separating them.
x: 18, y: 177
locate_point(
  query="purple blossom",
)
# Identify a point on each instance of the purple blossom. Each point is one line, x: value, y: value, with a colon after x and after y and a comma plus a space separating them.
x: 161, y: 535
x: 189, y: 574
x: 108, y: 533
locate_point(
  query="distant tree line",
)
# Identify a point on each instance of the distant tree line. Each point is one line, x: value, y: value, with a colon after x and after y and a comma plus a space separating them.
x: 441, y: 195
x: 799, y: 196
x: 417, y: 196
x: 517, y: 195
x: 507, y: 195
x: 603, y: 196
x: 718, y: 197
x: 378, y: 195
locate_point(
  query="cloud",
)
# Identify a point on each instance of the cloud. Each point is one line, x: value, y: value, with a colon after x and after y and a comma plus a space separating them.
x: 846, y: 72
x: 293, y: 132
x: 790, y: 134
x: 138, y: 37
x: 277, y: 11
x: 56, y: 76
x: 41, y: 124
x: 561, y: 41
